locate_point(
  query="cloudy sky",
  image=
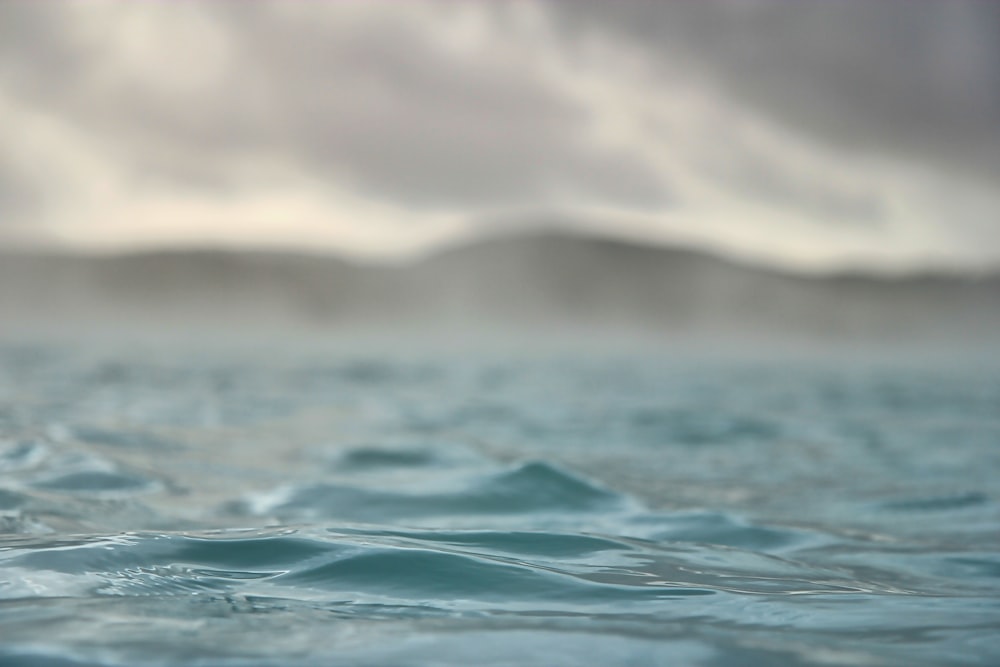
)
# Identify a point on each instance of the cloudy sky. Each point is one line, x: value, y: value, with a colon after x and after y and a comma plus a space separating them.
x: 814, y: 134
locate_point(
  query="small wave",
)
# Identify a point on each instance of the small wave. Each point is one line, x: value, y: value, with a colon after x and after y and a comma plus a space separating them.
x: 749, y: 519
x: 123, y: 438
x: 485, y: 570
x: 96, y: 482
x: 361, y: 571
x: 19, y: 456
x: 369, y: 458
x: 529, y: 488
x: 10, y: 500
x: 699, y: 427
x: 937, y: 503
x: 722, y: 529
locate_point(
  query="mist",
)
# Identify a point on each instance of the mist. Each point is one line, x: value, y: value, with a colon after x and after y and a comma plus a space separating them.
x: 556, y: 284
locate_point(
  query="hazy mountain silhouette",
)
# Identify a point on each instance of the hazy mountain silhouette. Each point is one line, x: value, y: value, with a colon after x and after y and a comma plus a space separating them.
x: 549, y: 281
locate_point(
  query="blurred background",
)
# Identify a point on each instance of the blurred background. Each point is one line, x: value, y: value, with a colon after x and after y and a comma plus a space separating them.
x: 814, y: 168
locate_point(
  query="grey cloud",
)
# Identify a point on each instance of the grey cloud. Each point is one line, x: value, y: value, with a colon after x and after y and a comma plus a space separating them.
x: 381, y: 107
x: 915, y: 79
x: 19, y: 193
x: 817, y: 201
x: 815, y: 196
x: 23, y: 197
x: 36, y: 50
x: 23, y: 192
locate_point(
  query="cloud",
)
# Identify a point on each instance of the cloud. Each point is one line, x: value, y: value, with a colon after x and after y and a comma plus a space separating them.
x: 751, y: 169
x: 914, y: 79
x: 810, y: 134
x: 378, y: 100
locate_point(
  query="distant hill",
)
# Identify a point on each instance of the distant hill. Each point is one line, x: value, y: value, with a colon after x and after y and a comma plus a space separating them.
x: 547, y: 281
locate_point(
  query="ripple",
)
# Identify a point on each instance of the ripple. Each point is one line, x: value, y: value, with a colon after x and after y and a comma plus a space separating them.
x: 368, y: 458
x: 21, y: 456
x: 723, y: 529
x: 10, y: 500
x: 373, y: 566
x: 96, y: 482
x: 122, y: 438
x: 485, y: 570
x: 730, y: 516
x: 937, y: 503
x: 421, y: 574
x: 525, y: 489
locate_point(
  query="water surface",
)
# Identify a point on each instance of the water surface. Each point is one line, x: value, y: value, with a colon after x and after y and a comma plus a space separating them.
x: 166, y: 506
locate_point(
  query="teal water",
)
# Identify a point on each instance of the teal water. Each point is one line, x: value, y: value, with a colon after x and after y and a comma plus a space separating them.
x: 164, y: 506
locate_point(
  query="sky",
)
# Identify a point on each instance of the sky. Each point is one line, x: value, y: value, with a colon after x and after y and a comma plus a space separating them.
x: 809, y: 134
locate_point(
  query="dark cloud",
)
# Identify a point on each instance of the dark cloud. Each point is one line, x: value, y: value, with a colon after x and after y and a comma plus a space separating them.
x: 915, y: 79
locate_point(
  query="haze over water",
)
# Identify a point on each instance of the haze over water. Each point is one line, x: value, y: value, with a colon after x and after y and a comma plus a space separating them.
x: 537, y: 333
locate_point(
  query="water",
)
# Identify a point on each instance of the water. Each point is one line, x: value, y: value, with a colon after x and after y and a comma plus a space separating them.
x: 279, y: 506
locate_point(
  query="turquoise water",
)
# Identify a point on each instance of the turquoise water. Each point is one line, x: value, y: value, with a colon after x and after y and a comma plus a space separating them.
x: 164, y: 506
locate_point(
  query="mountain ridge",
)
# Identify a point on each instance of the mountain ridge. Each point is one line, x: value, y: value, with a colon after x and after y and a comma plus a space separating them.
x: 466, y: 245
x: 546, y: 280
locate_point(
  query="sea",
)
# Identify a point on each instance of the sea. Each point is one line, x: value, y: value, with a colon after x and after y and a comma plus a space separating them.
x: 324, y: 503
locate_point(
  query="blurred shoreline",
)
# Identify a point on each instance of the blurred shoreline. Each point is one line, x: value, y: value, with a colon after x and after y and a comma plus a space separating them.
x: 532, y: 285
